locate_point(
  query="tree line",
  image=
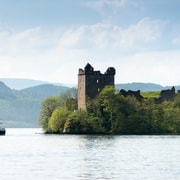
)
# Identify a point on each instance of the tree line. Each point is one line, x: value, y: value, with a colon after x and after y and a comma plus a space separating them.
x: 110, y: 113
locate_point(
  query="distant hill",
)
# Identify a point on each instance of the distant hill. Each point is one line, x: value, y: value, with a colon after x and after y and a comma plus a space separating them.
x: 44, y: 90
x: 16, y: 83
x: 143, y: 87
x: 140, y: 86
x: 5, y: 91
x: 20, y: 84
x: 20, y: 108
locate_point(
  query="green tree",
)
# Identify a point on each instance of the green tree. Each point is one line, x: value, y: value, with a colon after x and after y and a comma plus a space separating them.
x: 95, y: 125
x: 47, y: 108
x: 107, y: 99
x: 68, y: 99
x: 57, y: 120
x: 177, y: 101
x: 76, y: 123
x: 171, y: 119
x: 110, y: 112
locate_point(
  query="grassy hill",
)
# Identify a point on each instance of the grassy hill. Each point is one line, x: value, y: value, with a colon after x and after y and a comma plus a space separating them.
x: 150, y: 94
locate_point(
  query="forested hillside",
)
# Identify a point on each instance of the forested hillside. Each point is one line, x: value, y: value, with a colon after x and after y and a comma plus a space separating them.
x: 20, y: 108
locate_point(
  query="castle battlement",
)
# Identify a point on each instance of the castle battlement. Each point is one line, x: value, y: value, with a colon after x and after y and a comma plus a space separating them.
x: 90, y: 83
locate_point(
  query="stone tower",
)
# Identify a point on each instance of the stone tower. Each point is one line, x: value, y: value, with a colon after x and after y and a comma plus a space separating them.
x: 91, y: 82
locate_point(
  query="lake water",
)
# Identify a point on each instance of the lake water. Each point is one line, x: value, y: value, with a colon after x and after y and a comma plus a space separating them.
x: 28, y: 154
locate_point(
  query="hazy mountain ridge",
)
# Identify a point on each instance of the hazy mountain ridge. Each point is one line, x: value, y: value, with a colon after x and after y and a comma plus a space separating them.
x: 20, y: 108
x: 44, y: 90
x: 144, y: 86
x: 5, y: 91
x: 20, y: 84
x: 140, y: 86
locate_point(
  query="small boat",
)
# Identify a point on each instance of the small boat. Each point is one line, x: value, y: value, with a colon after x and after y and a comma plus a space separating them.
x: 2, y: 130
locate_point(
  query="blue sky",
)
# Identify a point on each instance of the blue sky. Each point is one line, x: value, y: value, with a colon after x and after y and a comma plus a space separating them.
x: 50, y: 40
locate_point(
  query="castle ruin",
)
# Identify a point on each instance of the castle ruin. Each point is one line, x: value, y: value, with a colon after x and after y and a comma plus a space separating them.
x: 90, y: 83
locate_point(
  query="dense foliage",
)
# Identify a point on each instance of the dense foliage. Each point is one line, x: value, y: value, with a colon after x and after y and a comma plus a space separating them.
x: 110, y: 113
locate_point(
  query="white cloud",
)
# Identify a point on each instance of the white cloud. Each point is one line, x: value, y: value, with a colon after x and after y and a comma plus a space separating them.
x: 96, y: 36
x: 100, y: 4
x: 72, y: 37
x: 24, y: 56
x: 158, y: 67
x: 107, y: 9
x: 106, y: 35
x: 20, y: 42
x: 176, y: 39
x: 56, y: 56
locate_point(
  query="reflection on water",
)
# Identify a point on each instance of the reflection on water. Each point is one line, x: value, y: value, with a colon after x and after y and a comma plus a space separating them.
x: 29, y: 154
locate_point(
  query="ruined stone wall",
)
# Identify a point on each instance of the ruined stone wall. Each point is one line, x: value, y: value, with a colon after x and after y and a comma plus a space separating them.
x: 90, y: 83
x: 81, y: 92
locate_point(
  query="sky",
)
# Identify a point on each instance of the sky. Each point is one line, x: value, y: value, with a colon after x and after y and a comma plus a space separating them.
x: 50, y: 40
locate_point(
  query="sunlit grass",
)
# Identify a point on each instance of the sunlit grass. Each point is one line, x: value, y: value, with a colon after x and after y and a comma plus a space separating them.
x: 150, y: 94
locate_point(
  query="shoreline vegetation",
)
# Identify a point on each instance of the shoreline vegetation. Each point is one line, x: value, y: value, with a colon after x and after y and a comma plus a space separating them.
x: 111, y: 113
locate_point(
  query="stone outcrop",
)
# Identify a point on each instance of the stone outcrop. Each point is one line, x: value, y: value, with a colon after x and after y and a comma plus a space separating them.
x: 166, y: 95
x: 135, y: 94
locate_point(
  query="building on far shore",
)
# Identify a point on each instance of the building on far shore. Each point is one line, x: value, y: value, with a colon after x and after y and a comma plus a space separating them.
x: 90, y: 83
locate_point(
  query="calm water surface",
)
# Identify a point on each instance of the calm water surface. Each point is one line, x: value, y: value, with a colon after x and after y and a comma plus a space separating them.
x: 29, y: 154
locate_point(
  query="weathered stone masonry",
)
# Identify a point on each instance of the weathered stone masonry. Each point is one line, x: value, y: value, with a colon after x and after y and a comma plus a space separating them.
x: 91, y: 82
